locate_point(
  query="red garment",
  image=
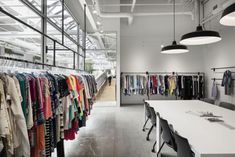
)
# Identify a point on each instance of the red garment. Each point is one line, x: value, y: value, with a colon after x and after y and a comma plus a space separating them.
x: 70, y: 134
x: 154, y: 84
x: 40, y: 141
x: 77, y: 87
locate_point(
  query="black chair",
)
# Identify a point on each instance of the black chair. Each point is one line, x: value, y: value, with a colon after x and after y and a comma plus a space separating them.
x: 183, y: 147
x: 147, y: 113
x: 227, y: 105
x: 167, y: 136
x: 153, y: 121
x: 208, y: 100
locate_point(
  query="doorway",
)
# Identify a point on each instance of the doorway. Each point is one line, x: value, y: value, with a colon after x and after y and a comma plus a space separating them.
x: 101, y: 61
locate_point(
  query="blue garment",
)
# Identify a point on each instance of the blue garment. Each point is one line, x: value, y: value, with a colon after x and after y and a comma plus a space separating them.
x: 227, y: 82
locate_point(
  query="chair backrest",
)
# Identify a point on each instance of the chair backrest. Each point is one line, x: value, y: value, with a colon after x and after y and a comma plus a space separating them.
x: 183, y: 147
x: 227, y: 105
x: 208, y: 100
x: 153, y: 115
x: 167, y: 133
x: 147, y: 110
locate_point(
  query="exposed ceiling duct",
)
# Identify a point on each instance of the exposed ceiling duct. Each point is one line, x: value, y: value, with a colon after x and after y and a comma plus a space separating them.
x: 130, y: 16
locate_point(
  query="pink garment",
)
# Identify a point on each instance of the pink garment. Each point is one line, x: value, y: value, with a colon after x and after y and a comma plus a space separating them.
x: 46, y: 98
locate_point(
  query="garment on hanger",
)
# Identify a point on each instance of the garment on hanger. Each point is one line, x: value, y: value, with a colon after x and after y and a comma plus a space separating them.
x: 172, y: 85
x: 214, y: 90
x: 38, y: 110
x: 227, y: 82
x: 134, y: 84
x: 184, y: 87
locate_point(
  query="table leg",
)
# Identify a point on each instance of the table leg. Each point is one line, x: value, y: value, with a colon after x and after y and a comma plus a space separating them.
x: 158, y: 134
x: 144, y: 113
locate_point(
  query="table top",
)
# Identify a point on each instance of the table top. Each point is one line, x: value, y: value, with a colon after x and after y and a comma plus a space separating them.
x: 205, y: 137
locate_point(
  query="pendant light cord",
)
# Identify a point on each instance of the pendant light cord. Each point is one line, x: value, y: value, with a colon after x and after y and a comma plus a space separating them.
x: 199, y: 13
x: 174, y: 18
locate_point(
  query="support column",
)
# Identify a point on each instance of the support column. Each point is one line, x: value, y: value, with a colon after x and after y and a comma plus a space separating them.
x: 44, y: 31
x: 84, y: 46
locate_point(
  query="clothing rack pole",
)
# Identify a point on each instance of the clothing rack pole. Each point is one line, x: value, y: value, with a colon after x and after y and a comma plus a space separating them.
x: 229, y: 67
x: 36, y: 63
x: 218, y: 79
x: 178, y: 73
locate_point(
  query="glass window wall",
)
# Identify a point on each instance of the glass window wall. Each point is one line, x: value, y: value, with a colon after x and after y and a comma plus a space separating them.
x: 19, y: 41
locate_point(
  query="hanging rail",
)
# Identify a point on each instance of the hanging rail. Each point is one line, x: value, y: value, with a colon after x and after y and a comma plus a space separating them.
x: 231, y: 67
x: 177, y: 73
x: 214, y: 79
x: 36, y: 63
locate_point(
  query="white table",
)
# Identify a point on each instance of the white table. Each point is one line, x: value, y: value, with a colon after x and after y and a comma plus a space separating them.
x: 206, y: 138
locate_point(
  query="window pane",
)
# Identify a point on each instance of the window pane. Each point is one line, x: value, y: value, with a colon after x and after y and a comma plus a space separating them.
x: 81, y: 63
x: 19, y: 10
x: 70, y: 44
x: 54, y: 33
x: 70, y: 25
x: 49, y: 54
x: 18, y: 41
x: 54, y: 11
x: 76, y: 61
x: 64, y: 58
x: 81, y: 38
x: 36, y: 3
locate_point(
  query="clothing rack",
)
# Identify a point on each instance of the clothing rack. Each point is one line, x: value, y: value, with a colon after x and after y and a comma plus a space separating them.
x: 60, y: 144
x: 166, y: 73
x: 218, y: 68
x: 147, y: 73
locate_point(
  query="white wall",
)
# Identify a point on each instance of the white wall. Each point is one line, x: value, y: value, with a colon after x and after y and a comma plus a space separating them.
x: 221, y: 54
x: 141, y: 45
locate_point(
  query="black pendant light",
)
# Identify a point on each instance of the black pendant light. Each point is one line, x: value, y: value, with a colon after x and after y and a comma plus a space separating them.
x: 228, y: 16
x: 200, y: 36
x: 174, y: 48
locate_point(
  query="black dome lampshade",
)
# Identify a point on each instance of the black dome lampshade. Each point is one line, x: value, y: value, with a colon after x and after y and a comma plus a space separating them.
x: 174, y: 48
x: 228, y: 16
x: 200, y: 36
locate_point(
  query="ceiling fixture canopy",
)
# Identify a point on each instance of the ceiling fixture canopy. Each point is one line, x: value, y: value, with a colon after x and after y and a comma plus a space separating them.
x: 174, y: 48
x: 228, y: 16
x: 200, y: 36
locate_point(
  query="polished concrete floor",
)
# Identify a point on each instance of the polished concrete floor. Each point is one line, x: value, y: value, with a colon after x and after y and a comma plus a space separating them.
x: 108, y: 94
x: 114, y: 132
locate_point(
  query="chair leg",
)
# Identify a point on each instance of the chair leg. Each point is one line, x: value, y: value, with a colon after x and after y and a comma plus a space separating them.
x: 150, y: 130
x: 160, y: 149
x: 153, y: 149
x: 145, y: 124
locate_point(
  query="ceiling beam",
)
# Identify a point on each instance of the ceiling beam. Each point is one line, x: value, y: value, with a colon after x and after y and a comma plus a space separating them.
x: 139, y: 5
